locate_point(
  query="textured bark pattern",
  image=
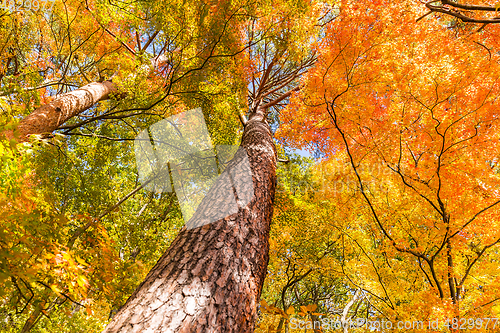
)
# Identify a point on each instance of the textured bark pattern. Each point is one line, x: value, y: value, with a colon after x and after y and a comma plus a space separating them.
x: 211, y: 277
x: 49, y: 117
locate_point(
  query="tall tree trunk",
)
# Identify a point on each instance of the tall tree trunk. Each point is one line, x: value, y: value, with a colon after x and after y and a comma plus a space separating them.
x: 211, y: 277
x: 47, y: 118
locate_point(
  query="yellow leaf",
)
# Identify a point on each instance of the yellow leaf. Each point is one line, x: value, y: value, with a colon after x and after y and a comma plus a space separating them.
x: 82, y: 281
x: 311, y: 307
x: 290, y: 311
x: 81, y: 261
x: 263, y: 303
x: 55, y: 289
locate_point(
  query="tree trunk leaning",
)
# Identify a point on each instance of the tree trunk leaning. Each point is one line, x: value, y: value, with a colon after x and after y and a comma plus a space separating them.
x: 211, y: 277
x: 47, y: 118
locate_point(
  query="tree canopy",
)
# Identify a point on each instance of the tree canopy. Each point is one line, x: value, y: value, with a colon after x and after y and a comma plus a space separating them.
x: 384, y: 116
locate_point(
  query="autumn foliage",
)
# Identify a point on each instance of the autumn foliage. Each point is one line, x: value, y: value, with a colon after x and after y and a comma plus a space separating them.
x: 393, y: 215
x: 405, y: 113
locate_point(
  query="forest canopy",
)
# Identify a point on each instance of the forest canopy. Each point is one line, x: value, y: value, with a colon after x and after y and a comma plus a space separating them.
x: 368, y: 130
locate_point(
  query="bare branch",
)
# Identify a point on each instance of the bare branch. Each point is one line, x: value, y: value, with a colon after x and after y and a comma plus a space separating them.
x: 280, y: 98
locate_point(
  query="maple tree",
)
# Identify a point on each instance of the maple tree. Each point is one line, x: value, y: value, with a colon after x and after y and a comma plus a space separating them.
x: 414, y: 134
x: 395, y: 219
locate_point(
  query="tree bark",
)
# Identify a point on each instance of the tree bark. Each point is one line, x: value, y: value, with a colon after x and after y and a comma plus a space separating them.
x: 32, y: 320
x: 211, y: 277
x: 47, y: 118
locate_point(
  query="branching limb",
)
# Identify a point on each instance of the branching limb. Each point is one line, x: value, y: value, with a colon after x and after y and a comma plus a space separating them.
x: 462, y: 11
